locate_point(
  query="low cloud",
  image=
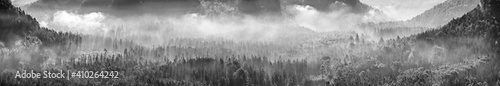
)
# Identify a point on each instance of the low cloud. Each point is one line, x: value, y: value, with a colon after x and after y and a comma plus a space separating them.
x: 309, y: 17
x: 91, y: 23
x: 19, y: 3
x: 155, y: 29
x: 340, y: 20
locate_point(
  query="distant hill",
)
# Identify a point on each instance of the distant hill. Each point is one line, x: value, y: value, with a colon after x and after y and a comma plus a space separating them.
x: 443, y: 13
x: 437, y: 16
x: 483, y: 22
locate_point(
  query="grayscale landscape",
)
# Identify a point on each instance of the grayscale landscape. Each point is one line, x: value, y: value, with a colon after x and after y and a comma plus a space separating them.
x: 252, y: 42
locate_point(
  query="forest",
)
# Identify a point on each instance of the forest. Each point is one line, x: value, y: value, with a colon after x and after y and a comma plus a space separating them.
x: 463, y: 52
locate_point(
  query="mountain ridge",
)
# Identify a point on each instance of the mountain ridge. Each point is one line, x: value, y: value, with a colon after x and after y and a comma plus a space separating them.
x: 138, y: 7
x: 437, y: 16
x: 482, y: 22
x: 444, y: 12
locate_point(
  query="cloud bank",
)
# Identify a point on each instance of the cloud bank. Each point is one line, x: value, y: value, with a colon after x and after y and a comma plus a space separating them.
x: 91, y: 23
x: 19, y: 3
x: 154, y: 29
x: 340, y: 20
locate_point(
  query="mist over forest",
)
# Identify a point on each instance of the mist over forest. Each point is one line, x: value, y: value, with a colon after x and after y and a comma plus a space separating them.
x: 253, y: 42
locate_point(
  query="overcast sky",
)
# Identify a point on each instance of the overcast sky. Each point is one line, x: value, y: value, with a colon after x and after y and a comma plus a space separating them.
x: 402, y: 9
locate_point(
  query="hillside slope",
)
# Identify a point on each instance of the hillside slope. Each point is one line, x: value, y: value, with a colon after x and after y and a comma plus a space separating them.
x: 483, y: 22
x: 443, y: 13
x: 16, y: 25
x: 437, y: 16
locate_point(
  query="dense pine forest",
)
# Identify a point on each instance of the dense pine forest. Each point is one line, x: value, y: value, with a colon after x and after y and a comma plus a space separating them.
x: 463, y: 52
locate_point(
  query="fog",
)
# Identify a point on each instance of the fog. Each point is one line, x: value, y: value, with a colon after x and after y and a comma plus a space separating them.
x: 220, y: 20
x: 305, y: 42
